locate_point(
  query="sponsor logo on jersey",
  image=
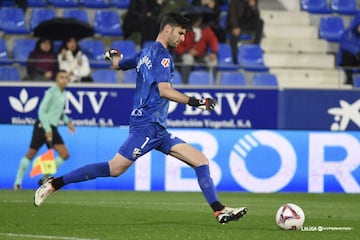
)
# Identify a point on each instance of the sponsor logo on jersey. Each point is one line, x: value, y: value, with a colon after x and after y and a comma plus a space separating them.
x: 165, y: 62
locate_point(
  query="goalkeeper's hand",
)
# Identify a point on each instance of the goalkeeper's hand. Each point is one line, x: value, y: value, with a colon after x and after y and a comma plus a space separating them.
x: 108, y: 55
x: 204, y: 103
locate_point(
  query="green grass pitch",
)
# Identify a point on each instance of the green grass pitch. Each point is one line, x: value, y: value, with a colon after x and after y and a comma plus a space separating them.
x: 88, y: 215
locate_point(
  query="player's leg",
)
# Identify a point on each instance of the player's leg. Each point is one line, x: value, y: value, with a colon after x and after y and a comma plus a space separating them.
x: 59, y: 146
x: 37, y: 140
x: 135, y: 146
x: 200, y: 163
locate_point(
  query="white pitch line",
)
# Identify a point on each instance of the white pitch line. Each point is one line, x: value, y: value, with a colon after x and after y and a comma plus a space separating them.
x: 43, y: 236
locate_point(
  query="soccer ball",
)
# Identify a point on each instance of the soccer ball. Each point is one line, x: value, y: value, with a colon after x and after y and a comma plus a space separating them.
x: 290, y: 217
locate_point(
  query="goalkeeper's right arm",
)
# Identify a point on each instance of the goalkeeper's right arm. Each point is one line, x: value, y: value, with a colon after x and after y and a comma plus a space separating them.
x: 114, y: 56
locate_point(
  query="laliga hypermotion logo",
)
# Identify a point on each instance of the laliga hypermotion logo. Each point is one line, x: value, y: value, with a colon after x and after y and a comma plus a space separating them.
x: 344, y: 114
x: 23, y: 104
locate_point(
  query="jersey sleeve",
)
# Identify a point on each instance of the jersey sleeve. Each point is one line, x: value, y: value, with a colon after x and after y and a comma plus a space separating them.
x: 128, y: 63
x: 163, y: 68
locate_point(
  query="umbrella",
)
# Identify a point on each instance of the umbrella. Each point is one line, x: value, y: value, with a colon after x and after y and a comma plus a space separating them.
x: 63, y: 28
x: 206, y: 12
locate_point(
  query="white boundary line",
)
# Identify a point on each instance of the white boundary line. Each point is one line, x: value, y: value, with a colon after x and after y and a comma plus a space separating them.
x: 17, y: 235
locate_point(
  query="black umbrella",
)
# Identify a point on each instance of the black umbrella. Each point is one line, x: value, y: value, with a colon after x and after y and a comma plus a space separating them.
x: 206, y: 12
x: 63, y: 28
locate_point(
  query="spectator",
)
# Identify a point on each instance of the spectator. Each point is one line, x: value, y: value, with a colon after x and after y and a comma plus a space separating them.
x: 76, y: 63
x: 42, y: 64
x: 243, y: 16
x: 213, y: 20
x: 200, y: 45
x: 350, y: 49
x: 141, y: 18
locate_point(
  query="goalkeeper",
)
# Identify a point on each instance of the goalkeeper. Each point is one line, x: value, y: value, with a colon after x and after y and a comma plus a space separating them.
x: 154, y: 67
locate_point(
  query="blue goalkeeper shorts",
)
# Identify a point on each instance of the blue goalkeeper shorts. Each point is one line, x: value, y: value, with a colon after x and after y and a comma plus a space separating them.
x: 144, y: 138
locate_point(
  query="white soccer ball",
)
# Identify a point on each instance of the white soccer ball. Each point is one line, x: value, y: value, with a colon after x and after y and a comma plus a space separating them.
x: 290, y: 217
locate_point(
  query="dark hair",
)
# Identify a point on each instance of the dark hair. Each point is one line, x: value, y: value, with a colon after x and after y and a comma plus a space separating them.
x: 62, y: 71
x: 41, y: 40
x: 175, y: 20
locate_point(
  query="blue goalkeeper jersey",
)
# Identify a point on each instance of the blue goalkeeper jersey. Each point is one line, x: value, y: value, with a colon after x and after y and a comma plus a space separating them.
x: 153, y: 65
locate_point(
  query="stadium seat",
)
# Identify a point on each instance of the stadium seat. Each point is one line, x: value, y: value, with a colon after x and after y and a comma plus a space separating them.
x: 94, y: 3
x: 64, y: 3
x: 123, y: 4
x: 126, y: 47
x: 36, y: 3
x: 250, y: 57
x: 4, y: 58
x: 232, y: 78
x: 39, y: 15
x: 177, y: 79
x: 356, y: 81
x: 94, y: 50
x: 7, y: 3
x: 13, y: 21
x: 331, y: 28
x: 199, y: 77
x: 78, y: 14
x: 22, y: 49
x: 344, y: 6
x: 107, y: 23
x: 104, y: 76
x: 9, y: 74
x: 130, y: 76
x: 265, y: 79
x: 316, y: 6
x: 225, y: 60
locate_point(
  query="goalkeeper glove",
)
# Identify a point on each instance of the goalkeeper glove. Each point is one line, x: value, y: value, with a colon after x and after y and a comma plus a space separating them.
x: 108, y: 55
x: 204, y: 103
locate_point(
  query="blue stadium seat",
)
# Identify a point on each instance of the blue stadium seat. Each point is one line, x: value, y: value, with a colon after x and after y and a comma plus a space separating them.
x: 130, y: 76
x: 64, y: 3
x: 78, y: 14
x: 7, y: 3
x: 13, y: 21
x: 265, y: 79
x: 94, y: 50
x: 104, y: 76
x: 38, y: 15
x: 22, y: 49
x: 4, y: 58
x: 225, y: 60
x: 331, y: 28
x: 316, y: 6
x: 177, y: 79
x: 199, y: 77
x: 356, y: 81
x: 9, y: 74
x: 126, y: 47
x: 123, y: 4
x: 250, y: 57
x: 107, y: 23
x: 36, y: 3
x: 232, y: 78
x: 94, y: 3
x: 344, y: 6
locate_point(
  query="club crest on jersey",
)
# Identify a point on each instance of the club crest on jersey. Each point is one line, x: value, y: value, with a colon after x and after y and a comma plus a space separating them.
x: 136, y: 152
x: 165, y: 62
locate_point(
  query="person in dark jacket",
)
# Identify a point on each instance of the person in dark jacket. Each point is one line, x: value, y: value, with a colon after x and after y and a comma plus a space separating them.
x: 350, y: 49
x: 42, y: 63
x: 243, y: 16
